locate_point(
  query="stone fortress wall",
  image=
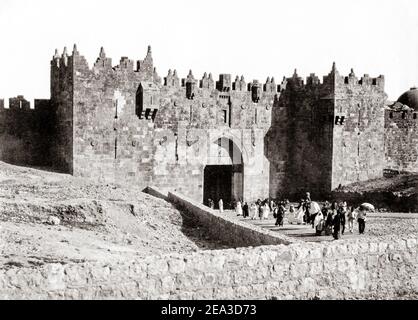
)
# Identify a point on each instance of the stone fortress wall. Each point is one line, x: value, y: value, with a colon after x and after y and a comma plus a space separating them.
x: 401, y: 140
x: 25, y: 132
x: 126, y: 124
x: 142, y: 131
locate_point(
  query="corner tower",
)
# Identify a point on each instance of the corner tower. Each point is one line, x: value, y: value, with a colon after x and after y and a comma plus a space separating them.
x: 358, y: 129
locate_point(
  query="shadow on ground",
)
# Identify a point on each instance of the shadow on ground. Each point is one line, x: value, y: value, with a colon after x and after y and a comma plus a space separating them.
x: 198, y: 233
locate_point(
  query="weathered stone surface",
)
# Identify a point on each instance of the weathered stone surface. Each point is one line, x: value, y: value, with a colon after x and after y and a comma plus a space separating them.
x: 230, y: 230
x: 125, y: 125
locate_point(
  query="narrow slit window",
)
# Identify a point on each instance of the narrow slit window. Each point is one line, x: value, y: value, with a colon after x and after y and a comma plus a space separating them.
x: 139, y: 102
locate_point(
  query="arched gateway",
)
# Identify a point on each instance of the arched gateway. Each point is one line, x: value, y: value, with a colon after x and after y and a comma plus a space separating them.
x: 224, y: 173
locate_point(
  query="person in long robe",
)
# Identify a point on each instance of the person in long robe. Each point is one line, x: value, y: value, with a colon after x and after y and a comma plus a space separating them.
x: 238, y: 208
x: 351, y: 216
x: 328, y: 223
x: 245, y: 210
x: 330, y: 216
x: 361, y: 219
x: 314, y: 209
x: 342, y: 211
x: 221, y: 206
x: 272, y: 206
x: 281, y: 210
x: 337, y: 221
x: 299, y: 215
x: 261, y: 211
x: 266, y: 211
x: 319, y: 223
x: 254, y: 211
x: 307, y: 206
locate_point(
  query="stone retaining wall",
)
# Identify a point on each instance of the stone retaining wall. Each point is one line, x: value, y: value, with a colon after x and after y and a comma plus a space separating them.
x: 231, y: 231
x: 342, y: 269
x: 154, y: 191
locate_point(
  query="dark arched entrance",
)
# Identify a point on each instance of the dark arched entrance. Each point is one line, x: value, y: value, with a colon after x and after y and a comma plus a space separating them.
x: 224, y: 174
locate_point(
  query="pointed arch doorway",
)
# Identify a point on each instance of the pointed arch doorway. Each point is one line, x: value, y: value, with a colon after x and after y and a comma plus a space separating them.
x: 224, y: 173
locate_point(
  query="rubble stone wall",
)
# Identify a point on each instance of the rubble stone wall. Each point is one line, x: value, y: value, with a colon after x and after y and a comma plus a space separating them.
x: 342, y: 269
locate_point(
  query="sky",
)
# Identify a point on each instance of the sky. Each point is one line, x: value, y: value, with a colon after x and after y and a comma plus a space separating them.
x: 254, y: 38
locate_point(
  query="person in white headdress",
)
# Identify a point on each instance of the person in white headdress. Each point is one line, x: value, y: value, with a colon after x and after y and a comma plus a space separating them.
x: 266, y: 211
x: 254, y: 211
x: 319, y: 223
x: 238, y: 208
x: 221, y: 206
x: 299, y: 214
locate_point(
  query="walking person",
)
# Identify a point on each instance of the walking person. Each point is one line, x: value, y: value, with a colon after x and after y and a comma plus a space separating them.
x: 254, y: 211
x: 319, y: 223
x: 245, y: 210
x: 281, y: 210
x: 342, y: 210
x: 238, y: 208
x: 221, y: 206
x: 351, y: 216
x: 308, y: 201
x: 266, y: 210
x: 337, y: 221
x: 361, y: 219
x: 307, y: 206
x: 329, y: 222
x: 261, y: 211
x: 271, y: 205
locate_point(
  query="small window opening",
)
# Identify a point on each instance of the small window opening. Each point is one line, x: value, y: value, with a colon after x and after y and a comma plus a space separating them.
x: 139, y: 102
x: 224, y: 116
x: 337, y: 120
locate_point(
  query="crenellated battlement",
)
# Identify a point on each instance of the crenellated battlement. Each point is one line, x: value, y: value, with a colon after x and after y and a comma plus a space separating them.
x: 333, y: 79
x: 19, y: 104
x: 124, y: 122
x: 399, y: 113
x: 366, y: 80
x: 145, y: 70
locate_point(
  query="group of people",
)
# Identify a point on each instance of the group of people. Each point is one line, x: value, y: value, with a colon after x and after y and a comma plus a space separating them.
x: 331, y: 219
x: 262, y: 209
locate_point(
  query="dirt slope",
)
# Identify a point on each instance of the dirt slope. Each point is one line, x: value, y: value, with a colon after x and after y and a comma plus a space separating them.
x: 403, y: 184
x: 97, y: 222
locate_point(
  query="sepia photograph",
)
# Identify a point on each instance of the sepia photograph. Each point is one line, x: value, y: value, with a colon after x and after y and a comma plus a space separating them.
x: 210, y: 151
